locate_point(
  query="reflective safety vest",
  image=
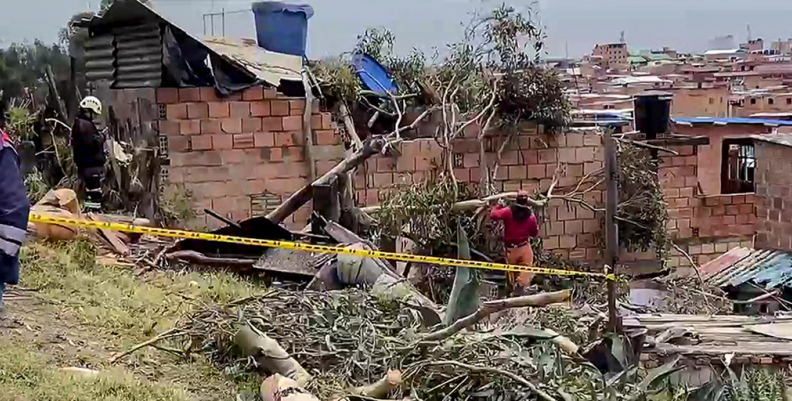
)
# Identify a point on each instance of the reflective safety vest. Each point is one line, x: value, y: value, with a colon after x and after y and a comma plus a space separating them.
x: 14, y: 210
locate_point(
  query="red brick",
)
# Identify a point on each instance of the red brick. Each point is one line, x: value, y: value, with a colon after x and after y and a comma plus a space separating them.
x: 279, y: 108
x: 584, y: 213
x: 316, y: 121
x: 189, y: 95
x: 591, y: 167
x: 536, y: 171
x: 510, y: 158
x: 686, y: 192
x: 517, y: 172
x: 746, y: 209
x: 190, y: 127
x: 209, y: 127
x: 718, y: 210
x: 547, y: 156
x: 295, y: 153
x: 176, y: 111
x: 292, y: 123
x: 197, y: 111
x: 276, y: 154
x: 270, y: 93
x: 566, y: 155
x: 592, y: 140
x: 738, y: 199
x: 729, y: 220
x: 566, y: 213
x: 462, y: 174
x: 297, y: 107
x: 284, y: 139
x: 574, y: 140
x: 382, y: 180
x: 202, y: 142
x: 232, y: 125
x: 691, y: 182
x: 299, y: 139
x: 243, y: 141
x: 253, y: 93
x: 325, y: 137
x: 179, y: 144
x: 260, y: 109
x: 573, y: 227
x: 167, y: 95
x: 219, y: 110
x: 209, y: 95
x: 680, y: 203
x: 264, y: 139
x: 732, y: 210
x: 168, y: 127
x: 567, y: 241
x: 327, y: 121
x: 251, y: 125
x: 583, y: 155
x: 554, y: 228
x: 222, y: 141
x: 272, y: 123
x: 240, y: 109
x: 586, y: 240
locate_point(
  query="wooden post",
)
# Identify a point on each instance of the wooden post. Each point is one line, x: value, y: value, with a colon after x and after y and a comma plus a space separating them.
x: 307, y: 129
x: 611, y: 228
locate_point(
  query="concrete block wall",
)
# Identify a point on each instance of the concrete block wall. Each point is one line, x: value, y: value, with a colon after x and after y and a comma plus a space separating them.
x: 230, y: 151
x: 774, y: 195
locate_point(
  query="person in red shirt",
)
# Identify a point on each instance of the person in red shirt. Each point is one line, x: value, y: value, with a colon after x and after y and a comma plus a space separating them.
x: 520, y: 226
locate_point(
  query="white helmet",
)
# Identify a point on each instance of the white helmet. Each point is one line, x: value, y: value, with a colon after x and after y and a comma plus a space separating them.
x: 91, y: 103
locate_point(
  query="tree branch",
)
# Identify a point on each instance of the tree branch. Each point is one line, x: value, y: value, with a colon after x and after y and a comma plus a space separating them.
x: 484, y: 369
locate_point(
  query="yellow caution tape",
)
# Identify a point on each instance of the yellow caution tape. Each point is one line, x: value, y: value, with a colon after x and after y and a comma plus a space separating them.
x: 298, y: 246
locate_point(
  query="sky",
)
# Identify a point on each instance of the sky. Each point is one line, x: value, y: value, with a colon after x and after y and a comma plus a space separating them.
x: 573, y: 27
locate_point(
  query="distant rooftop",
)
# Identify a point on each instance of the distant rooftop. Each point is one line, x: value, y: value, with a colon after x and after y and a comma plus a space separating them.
x: 730, y: 120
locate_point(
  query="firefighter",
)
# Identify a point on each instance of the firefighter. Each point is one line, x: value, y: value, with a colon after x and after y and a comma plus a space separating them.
x: 14, y: 210
x: 88, y: 148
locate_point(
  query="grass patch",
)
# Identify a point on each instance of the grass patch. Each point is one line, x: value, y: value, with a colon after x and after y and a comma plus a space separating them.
x: 115, y: 300
x: 27, y: 375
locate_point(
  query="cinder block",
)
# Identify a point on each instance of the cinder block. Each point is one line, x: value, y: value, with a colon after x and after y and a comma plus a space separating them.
x: 583, y: 155
x: 244, y: 141
x: 209, y: 127
x: 270, y: 93
x: 201, y: 142
x: 326, y: 137
x: 219, y: 110
x: 176, y: 111
x: 707, y: 249
x: 167, y: 95
x: 187, y: 95
x: 547, y: 155
x: 552, y: 242
x: 279, y: 108
x: 260, y: 109
x: 240, y: 109
x: 222, y: 141
x: 231, y: 125
x: 190, y: 127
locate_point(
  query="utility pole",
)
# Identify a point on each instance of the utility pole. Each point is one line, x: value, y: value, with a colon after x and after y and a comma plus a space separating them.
x: 611, y: 228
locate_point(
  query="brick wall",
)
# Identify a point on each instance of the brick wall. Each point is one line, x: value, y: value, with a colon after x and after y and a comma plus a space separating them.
x: 528, y: 163
x: 231, y: 152
x: 774, y: 195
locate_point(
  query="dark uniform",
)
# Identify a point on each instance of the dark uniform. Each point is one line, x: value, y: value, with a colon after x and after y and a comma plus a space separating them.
x: 14, y: 210
x: 89, y: 156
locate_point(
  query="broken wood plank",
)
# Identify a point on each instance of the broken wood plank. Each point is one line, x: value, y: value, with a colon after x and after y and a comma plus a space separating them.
x: 301, y: 197
x: 110, y: 236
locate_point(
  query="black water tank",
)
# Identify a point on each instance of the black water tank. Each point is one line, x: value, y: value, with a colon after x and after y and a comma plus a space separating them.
x: 652, y: 113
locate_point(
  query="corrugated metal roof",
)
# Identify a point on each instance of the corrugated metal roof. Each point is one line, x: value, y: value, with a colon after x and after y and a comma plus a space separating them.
x: 269, y: 66
x: 769, y: 268
x: 778, y: 139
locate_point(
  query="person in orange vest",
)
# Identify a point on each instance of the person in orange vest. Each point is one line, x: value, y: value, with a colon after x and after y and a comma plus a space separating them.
x: 14, y: 210
x: 520, y: 225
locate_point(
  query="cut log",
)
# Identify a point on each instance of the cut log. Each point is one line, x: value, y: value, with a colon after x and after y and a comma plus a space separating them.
x: 269, y: 355
x: 279, y: 388
x: 301, y: 197
x: 381, y: 388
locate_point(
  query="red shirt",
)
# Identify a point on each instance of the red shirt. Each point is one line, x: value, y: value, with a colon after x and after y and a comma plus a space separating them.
x: 515, y: 232
x: 4, y: 138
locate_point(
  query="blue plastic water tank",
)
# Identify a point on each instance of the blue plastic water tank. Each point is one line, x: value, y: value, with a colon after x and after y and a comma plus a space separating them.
x: 282, y: 27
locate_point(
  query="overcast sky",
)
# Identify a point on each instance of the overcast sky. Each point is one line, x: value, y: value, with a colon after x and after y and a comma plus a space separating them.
x: 576, y: 25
